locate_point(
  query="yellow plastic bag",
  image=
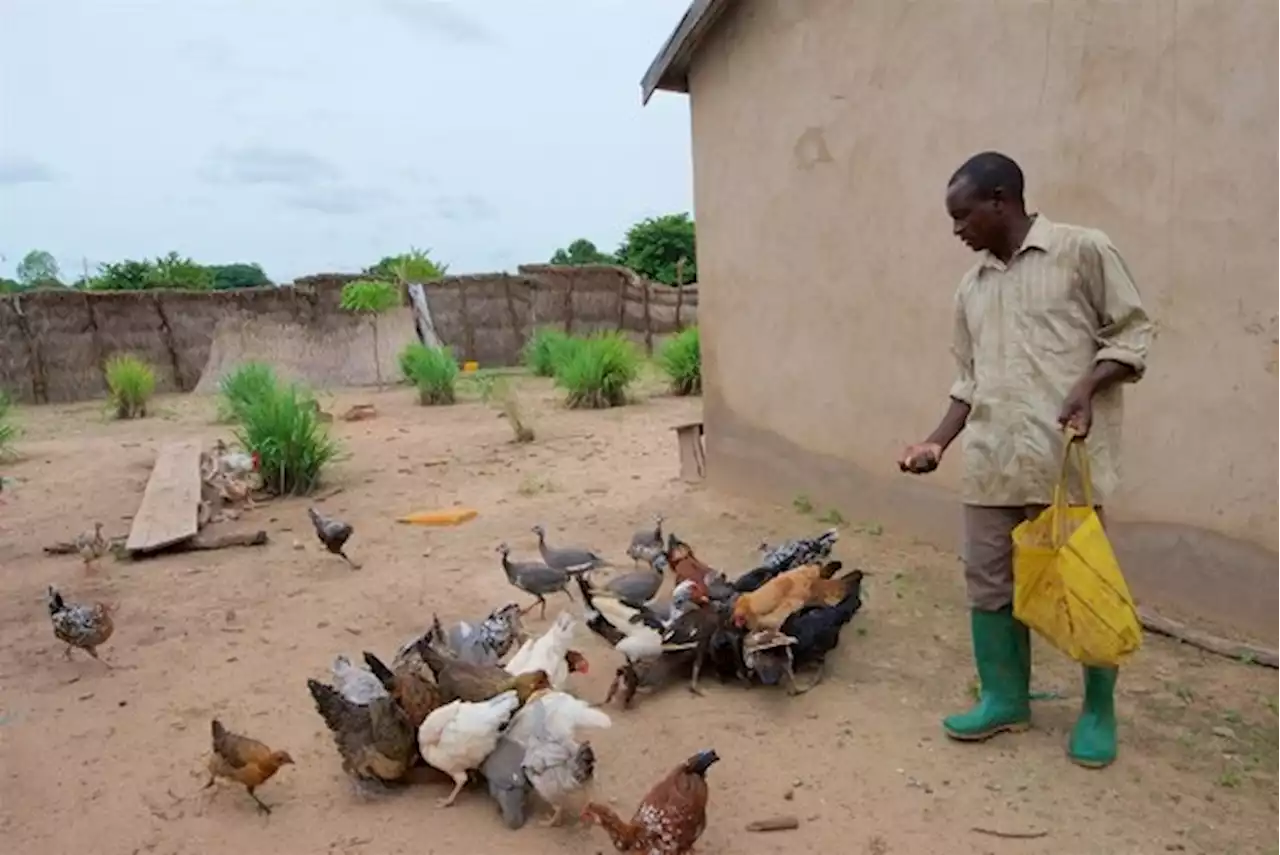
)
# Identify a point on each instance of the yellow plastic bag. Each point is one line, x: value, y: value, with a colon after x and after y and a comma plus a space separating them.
x: 1067, y: 584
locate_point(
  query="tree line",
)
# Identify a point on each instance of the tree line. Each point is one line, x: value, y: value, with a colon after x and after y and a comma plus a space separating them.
x: 659, y: 248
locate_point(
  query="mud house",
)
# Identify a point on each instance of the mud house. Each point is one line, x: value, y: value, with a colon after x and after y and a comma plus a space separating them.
x: 823, y: 135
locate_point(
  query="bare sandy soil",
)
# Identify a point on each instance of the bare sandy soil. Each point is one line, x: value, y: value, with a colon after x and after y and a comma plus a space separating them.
x: 109, y: 761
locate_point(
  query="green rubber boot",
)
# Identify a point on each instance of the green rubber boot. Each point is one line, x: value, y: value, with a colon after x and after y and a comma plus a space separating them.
x: 1093, y: 740
x: 1002, y: 650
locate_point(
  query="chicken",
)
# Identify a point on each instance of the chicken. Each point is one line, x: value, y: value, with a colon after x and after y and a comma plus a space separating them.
x: 356, y: 684
x: 816, y: 629
x: 566, y: 557
x: 772, y: 603
x: 464, y: 681
x: 457, y: 737
x: 694, y: 631
x: 87, y: 627
x: 550, y: 652
x: 536, y: 578
x: 669, y: 820
x: 334, y: 534
x: 646, y: 540
x: 766, y: 653
x: 92, y: 546
x: 555, y: 763
x: 484, y: 642
x: 684, y: 564
x: 409, y: 687
x: 634, y: 632
x: 376, y: 741
x: 648, y: 674
x: 243, y: 760
x: 788, y: 556
x: 503, y: 772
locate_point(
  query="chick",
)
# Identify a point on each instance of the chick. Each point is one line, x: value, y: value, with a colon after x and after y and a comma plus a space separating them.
x: 91, y: 546
x: 243, y: 760
x: 87, y: 627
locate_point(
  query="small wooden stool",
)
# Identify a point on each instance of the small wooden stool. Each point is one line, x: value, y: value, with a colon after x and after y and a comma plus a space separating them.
x: 693, y: 457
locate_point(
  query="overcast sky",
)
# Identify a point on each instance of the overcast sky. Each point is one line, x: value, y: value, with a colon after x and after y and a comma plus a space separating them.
x: 320, y: 135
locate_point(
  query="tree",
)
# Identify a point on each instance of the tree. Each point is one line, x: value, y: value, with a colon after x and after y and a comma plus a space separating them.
x: 371, y: 299
x: 227, y: 277
x: 662, y: 249
x: 581, y: 251
x: 36, y: 268
x: 168, y: 271
x: 10, y: 286
x: 414, y: 266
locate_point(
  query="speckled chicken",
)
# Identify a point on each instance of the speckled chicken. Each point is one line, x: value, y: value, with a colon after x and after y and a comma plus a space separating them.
x: 670, y: 819
x: 482, y: 642
x: 333, y: 533
x: 92, y: 545
x: 87, y: 627
x: 376, y: 741
x: 788, y: 556
x: 243, y: 760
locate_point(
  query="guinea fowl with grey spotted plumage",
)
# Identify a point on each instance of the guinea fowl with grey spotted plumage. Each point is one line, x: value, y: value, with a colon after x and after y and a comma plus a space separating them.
x: 566, y: 557
x: 333, y: 533
x: 536, y: 578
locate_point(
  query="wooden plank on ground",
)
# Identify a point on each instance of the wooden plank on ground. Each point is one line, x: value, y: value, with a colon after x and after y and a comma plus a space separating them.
x: 172, y: 500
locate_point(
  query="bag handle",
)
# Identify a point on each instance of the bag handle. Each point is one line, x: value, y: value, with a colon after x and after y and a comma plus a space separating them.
x: 1072, y: 441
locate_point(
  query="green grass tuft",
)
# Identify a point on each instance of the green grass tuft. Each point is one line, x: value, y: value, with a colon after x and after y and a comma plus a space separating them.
x: 596, y: 371
x: 240, y: 387
x: 131, y: 383
x: 433, y: 370
x: 293, y: 445
x: 681, y: 359
x: 547, y: 348
x: 8, y: 430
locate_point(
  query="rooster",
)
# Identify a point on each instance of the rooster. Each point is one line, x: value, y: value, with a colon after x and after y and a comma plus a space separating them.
x: 670, y: 819
x: 334, y: 534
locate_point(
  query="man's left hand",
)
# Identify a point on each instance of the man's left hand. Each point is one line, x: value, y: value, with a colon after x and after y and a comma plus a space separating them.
x: 1077, y: 409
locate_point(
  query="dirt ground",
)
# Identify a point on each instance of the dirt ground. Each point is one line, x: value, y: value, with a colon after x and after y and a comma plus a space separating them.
x: 109, y: 761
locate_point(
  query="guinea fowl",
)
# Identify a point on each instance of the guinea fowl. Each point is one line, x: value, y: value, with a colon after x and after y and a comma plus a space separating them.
x: 87, y: 627
x: 566, y: 557
x: 646, y: 540
x: 641, y: 586
x: 536, y: 578
x: 334, y: 534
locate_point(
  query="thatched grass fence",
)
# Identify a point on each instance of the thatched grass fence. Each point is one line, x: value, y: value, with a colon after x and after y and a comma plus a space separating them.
x: 53, y: 344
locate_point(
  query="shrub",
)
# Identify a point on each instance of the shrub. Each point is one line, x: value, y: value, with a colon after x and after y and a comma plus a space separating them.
x: 283, y: 427
x: 131, y: 383
x: 546, y: 349
x: 596, y: 371
x: 681, y: 359
x: 8, y: 430
x: 248, y: 382
x: 433, y: 370
x: 504, y: 392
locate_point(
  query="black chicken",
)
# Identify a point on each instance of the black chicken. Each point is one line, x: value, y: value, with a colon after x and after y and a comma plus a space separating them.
x: 816, y: 629
x: 334, y: 534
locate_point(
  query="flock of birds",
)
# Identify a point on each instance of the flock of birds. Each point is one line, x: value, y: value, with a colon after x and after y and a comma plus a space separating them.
x: 483, y: 697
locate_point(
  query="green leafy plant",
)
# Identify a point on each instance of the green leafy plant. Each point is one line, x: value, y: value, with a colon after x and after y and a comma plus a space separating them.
x: 371, y: 298
x: 245, y: 384
x: 433, y: 370
x: 581, y: 251
x: 283, y: 427
x: 416, y: 265
x: 596, y: 371
x: 131, y: 382
x: 546, y: 348
x: 662, y: 249
x: 681, y: 359
x: 8, y: 429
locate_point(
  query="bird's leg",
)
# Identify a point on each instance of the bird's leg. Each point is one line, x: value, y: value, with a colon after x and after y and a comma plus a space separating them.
x: 459, y: 781
x: 93, y: 651
x: 542, y: 607
x: 819, y: 675
x: 66, y: 654
x: 212, y: 780
x: 553, y: 820
x: 347, y: 558
x: 693, y: 681
x: 263, y: 807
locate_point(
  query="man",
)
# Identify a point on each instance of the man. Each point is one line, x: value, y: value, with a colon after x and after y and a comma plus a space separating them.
x: 1048, y: 325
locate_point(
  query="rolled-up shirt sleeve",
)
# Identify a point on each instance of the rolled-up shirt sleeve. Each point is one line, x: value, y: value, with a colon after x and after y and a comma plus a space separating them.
x: 1125, y: 330
x: 962, y: 351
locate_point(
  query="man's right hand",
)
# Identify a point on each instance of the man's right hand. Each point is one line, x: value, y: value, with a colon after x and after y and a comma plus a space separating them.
x: 921, y: 458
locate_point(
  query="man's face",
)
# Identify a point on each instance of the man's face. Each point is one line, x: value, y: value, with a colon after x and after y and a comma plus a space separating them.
x: 978, y: 222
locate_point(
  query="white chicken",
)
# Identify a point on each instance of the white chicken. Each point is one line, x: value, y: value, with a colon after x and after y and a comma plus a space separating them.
x: 546, y: 652
x: 556, y: 764
x: 356, y: 684
x: 457, y: 737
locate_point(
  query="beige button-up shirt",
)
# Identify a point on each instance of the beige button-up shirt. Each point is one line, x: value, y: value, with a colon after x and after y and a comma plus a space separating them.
x: 1026, y: 333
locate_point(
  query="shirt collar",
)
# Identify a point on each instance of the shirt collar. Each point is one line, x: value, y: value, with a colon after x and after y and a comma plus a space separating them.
x: 1037, y: 238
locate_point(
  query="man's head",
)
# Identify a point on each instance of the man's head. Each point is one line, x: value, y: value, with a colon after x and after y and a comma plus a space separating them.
x: 984, y: 199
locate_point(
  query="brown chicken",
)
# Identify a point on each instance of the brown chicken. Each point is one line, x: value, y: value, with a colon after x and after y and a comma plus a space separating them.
x: 473, y: 683
x: 376, y: 741
x: 769, y: 606
x: 669, y: 820
x: 243, y: 760
x: 684, y: 564
x: 416, y: 694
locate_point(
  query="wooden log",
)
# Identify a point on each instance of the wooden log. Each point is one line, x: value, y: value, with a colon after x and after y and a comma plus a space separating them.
x: 1239, y: 650
x: 169, y: 512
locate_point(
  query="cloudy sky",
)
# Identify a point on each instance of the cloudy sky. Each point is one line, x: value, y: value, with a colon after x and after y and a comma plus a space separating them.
x: 320, y: 135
